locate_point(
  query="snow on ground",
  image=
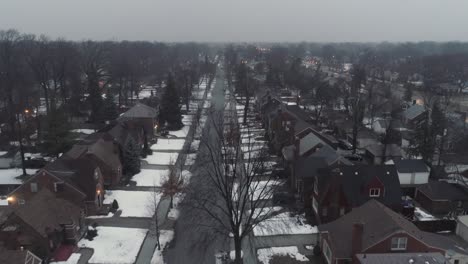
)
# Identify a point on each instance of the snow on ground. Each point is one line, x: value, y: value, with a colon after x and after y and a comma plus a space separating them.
x: 198, y: 94
x: 73, y: 259
x: 165, y: 238
x: 180, y: 133
x: 3, y: 153
x: 195, y: 145
x: 456, y: 168
x: 187, y: 119
x: 258, y: 189
x: 422, y: 215
x: 284, y: 224
x: 162, y: 158
x: 8, y: 176
x: 186, y: 175
x: 83, y: 131
x: 190, y: 159
x: 168, y: 144
x: 264, y: 255
x: 115, y: 244
x: 150, y: 177
x: 132, y: 203
x: 207, y: 104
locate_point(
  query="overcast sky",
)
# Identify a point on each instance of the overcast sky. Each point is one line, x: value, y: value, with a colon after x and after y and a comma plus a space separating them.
x: 240, y: 20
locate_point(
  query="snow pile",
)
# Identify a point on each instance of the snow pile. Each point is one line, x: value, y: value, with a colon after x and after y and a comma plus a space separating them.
x: 8, y: 176
x: 133, y: 203
x: 180, y: 133
x: 165, y: 238
x: 83, y: 131
x: 456, y: 168
x: 190, y: 159
x: 115, y: 244
x: 168, y: 144
x: 421, y: 215
x: 187, y: 119
x: 195, y: 145
x: 148, y: 177
x: 162, y: 158
x: 284, y: 224
x: 264, y: 255
x: 73, y: 259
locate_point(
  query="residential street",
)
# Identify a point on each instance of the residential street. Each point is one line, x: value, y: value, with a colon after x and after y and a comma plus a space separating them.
x: 193, y: 243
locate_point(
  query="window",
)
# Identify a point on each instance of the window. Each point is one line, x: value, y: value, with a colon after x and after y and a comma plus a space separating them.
x: 58, y: 186
x: 327, y: 252
x: 374, y: 192
x: 324, y: 211
x: 399, y: 243
x: 315, y: 204
x: 21, y: 201
x: 33, y: 187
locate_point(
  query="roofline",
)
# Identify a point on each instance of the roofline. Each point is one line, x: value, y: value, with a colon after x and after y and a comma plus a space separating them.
x: 50, y: 173
x: 434, y: 200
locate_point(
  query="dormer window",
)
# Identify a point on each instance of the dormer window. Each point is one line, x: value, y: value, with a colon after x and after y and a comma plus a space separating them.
x: 399, y: 243
x: 374, y: 192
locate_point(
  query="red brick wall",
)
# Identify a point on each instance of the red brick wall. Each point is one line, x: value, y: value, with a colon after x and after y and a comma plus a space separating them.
x: 45, y: 180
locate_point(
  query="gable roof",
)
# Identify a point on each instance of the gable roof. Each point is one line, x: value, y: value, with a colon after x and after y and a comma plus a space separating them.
x: 354, y: 179
x: 78, y: 172
x: 45, y: 211
x: 410, y: 166
x: 378, y: 223
x: 309, y: 142
x: 104, y: 150
x: 409, y: 258
x: 392, y: 150
x: 140, y: 111
x: 414, y: 111
x: 443, y: 191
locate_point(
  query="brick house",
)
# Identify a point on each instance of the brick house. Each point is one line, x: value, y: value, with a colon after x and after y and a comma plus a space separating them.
x: 337, y: 190
x: 375, y: 229
x: 442, y: 198
x: 43, y: 225
x: 79, y: 181
x: 105, y: 151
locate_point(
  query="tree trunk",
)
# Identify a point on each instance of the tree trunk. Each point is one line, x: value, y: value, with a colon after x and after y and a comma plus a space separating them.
x: 238, y: 250
x: 171, y: 205
x: 46, y: 98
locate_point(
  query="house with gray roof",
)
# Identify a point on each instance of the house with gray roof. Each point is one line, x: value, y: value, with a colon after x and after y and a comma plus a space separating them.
x: 143, y: 116
x: 414, y: 115
x: 373, y: 229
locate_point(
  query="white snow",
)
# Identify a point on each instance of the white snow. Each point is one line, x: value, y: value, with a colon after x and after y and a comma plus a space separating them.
x: 162, y: 158
x: 422, y: 215
x: 173, y: 214
x: 195, y: 145
x: 3, y: 153
x: 456, y: 168
x: 168, y: 144
x: 115, y: 244
x: 148, y: 177
x: 284, y: 224
x: 180, y: 133
x: 73, y: 259
x: 266, y: 254
x: 165, y: 238
x: 83, y: 131
x: 190, y: 159
x: 262, y: 190
x: 132, y: 203
x: 8, y: 176
x: 207, y: 104
x: 187, y: 119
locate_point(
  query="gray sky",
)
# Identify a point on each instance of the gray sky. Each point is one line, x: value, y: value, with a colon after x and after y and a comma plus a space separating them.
x: 240, y: 20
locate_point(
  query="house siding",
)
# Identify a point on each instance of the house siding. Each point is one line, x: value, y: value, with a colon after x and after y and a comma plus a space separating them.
x: 413, y: 245
x: 416, y: 178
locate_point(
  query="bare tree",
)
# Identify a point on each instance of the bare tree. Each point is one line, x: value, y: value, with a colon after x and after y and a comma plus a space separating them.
x: 154, y: 198
x: 234, y: 198
x: 174, y: 182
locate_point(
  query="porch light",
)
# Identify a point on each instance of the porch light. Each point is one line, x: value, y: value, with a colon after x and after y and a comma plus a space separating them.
x: 98, y: 192
x: 10, y: 199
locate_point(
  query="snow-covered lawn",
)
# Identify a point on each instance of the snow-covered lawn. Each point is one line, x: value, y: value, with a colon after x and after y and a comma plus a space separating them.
x: 83, y: 131
x: 207, y: 104
x: 456, y: 168
x: 115, y: 245
x: 284, y: 224
x: 190, y: 160
x: 422, y: 215
x: 168, y: 144
x: 8, y: 176
x: 262, y: 190
x: 187, y: 119
x: 148, y: 177
x: 165, y: 238
x: 264, y: 255
x: 73, y: 259
x: 162, y: 158
x: 180, y: 133
x: 132, y: 203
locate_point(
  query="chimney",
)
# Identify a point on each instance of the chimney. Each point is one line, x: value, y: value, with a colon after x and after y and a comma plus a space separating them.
x: 358, y: 230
